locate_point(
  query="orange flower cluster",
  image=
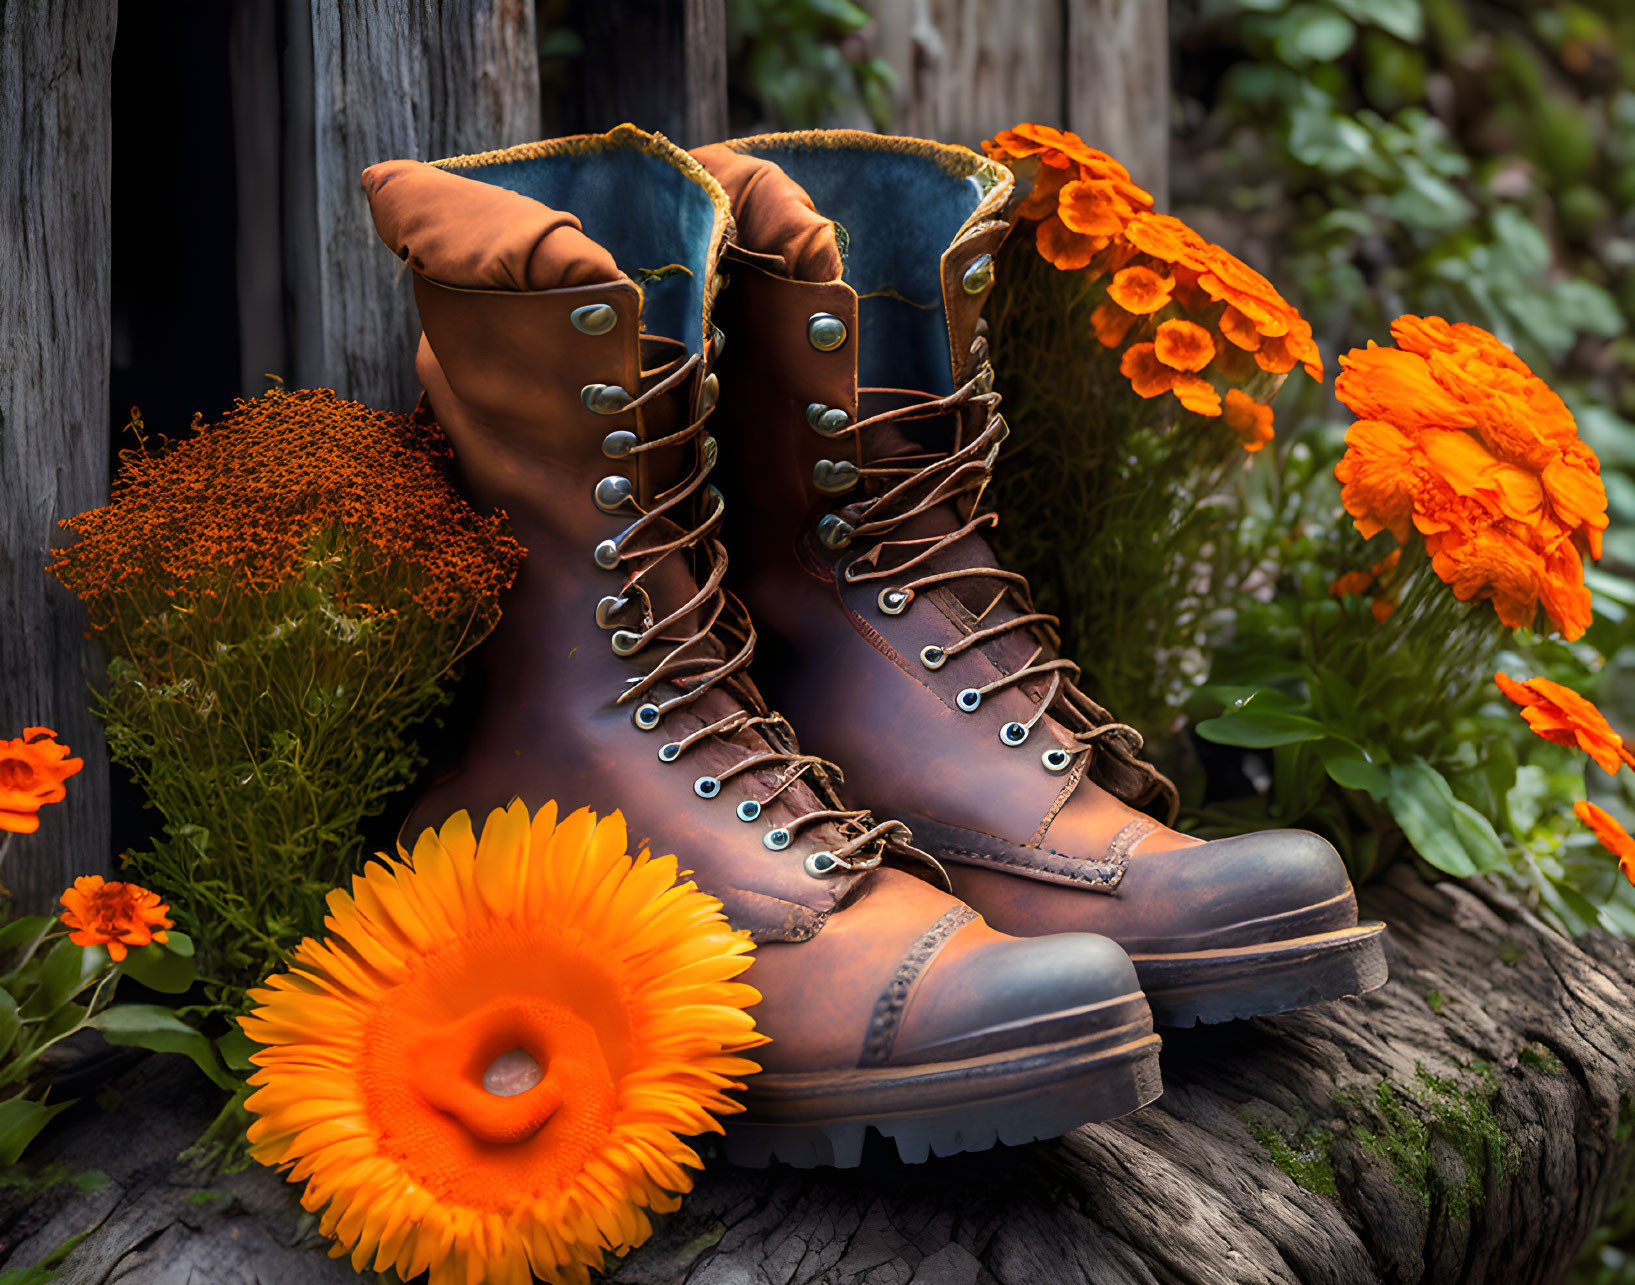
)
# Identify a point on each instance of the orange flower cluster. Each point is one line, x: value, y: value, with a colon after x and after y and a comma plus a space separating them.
x: 1355, y: 582
x: 1194, y: 307
x: 33, y: 768
x: 244, y: 501
x: 115, y: 915
x: 1456, y: 438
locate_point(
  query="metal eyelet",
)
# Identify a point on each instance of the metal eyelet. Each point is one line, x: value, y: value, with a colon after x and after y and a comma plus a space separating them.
x: 968, y: 700
x: 979, y: 276
x: 611, y: 492
x: 669, y: 752
x: 893, y: 602
x: 834, y: 532
x: 608, y: 609
x: 710, y: 450
x: 984, y: 378
x: 718, y: 343
x: 749, y: 810
x: 708, y: 394
x: 706, y: 787
x: 619, y: 443
x: 1014, y: 734
x: 605, y: 399
x: 830, y: 421
x: 825, y: 331
x: 646, y: 716
x: 834, y: 476
x: 820, y: 865
x: 625, y: 642
x: 1056, y: 760
x: 594, y: 319
x: 607, y: 555
x: 777, y: 840
x: 933, y: 657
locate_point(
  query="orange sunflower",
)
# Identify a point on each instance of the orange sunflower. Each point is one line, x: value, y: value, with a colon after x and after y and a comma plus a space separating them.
x: 1563, y: 717
x: 1614, y: 838
x: 1188, y: 315
x: 116, y: 915
x: 1457, y: 440
x: 486, y: 1070
x: 33, y: 768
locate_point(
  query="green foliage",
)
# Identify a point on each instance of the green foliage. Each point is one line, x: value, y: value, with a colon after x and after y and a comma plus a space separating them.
x: 805, y: 62
x: 290, y: 719
x: 1306, y: 1157
x: 52, y: 989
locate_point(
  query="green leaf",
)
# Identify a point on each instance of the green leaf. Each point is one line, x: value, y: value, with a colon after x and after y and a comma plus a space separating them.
x: 19, y: 932
x: 149, y: 1026
x: 20, y: 1121
x: 1308, y: 34
x: 1452, y: 836
x: 1525, y: 800
x: 1404, y: 19
x: 10, y: 1022
x: 1262, y: 721
x: 1349, y: 768
x: 168, y: 968
x: 66, y: 970
x: 236, y: 1048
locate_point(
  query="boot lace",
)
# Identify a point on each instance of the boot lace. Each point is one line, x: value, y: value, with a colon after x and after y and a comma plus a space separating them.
x: 909, y: 485
x: 716, y: 652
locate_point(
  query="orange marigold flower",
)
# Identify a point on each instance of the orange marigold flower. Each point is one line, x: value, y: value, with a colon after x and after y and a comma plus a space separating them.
x: 1487, y: 464
x: 1197, y: 395
x: 1183, y: 345
x: 1563, y: 717
x: 1111, y: 323
x: 33, y: 768
x: 1352, y: 582
x: 1063, y: 247
x: 116, y: 915
x: 1239, y: 329
x: 1249, y: 419
x: 1382, y: 609
x: 1147, y: 375
x: 1614, y: 838
x: 487, y: 1071
x: 1140, y: 289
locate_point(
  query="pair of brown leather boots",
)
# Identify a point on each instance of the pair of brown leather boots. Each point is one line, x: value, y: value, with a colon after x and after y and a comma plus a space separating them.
x: 987, y: 964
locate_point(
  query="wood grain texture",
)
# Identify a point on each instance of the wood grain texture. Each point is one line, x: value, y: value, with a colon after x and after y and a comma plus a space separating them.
x: 966, y: 68
x: 55, y: 117
x: 1183, y: 1192
x: 392, y: 79
x: 1117, y: 90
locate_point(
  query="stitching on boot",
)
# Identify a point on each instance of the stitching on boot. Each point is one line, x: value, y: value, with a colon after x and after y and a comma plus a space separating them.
x: 888, y: 1009
x: 1093, y: 874
x: 1126, y: 839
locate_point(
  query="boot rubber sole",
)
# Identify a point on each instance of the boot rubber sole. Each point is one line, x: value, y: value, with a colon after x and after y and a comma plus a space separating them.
x: 1270, y: 977
x: 808, y: 1119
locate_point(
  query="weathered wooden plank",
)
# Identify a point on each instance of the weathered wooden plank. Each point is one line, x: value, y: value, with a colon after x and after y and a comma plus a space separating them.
x: 966, y: 68
x: 1477, y: 1109
x: 425, y: 80
x: 55, y: 117
x: 1117, y: 90
x: 660, y: 64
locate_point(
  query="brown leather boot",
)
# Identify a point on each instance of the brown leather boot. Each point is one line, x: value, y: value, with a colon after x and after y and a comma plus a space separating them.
x: 861, y: 428
x: 570, y: 365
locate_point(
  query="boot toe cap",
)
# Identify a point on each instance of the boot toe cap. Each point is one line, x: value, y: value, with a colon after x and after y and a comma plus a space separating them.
x: 1242, y: 891
x: 989, y: 993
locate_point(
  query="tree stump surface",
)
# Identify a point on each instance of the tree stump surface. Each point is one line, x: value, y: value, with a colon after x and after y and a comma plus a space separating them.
x: 1474, y: 1117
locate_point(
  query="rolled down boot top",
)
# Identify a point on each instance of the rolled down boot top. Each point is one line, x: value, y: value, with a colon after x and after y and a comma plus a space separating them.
x: 861, y: 447
x: 565, y: 289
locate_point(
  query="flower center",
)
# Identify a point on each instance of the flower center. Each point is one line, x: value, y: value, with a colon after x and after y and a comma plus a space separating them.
x: 511, y: 1073
x: 16, y: 774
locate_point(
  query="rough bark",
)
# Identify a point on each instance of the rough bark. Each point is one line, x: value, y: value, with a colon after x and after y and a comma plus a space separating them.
x: 967, y: 68
x: 1184, y: 1192
x: 389, y: 79
x: 55, y: 67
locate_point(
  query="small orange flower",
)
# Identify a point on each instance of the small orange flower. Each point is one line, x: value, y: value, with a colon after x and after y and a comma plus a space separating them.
x: 1147, y: 375
x: 1458, y: 440
x: 1140, y: 289
x: 1197, y: 395
x: 1563, y: 717
x: 1352, y: 582
x: 1111, y: 323
x: 1614, y: 838
x: 1184, y: 345
x: 32, y: 771
x: 115, y: 915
